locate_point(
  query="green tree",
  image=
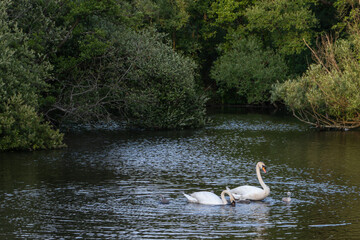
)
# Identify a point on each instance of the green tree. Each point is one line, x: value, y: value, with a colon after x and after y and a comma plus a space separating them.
x: 327, y: 95
x: 281, y: 24
x: 249, y: 70
x: 229, y: 14
x: 160, y: 84
x: 40, y: 21
x: 102, y: 68
x: 22, y: 128
x: 22, y: 79
x: 166, y: 15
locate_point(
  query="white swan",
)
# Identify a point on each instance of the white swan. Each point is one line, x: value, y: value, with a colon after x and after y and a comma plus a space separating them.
x: 209, y: 198
x: 253, y: 193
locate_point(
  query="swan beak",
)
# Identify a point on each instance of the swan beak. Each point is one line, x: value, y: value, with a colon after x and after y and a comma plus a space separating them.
x: 264, y: 169
x: 233, y: 203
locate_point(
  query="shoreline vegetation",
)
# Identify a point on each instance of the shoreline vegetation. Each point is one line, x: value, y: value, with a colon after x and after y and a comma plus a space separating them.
x: 155, y: 64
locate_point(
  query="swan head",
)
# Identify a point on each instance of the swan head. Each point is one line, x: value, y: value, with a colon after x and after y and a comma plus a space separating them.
x: 262, y: 166
x: 232, y: 199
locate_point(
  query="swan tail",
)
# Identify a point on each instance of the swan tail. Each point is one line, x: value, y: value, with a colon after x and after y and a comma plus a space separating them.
x: 190, y: 198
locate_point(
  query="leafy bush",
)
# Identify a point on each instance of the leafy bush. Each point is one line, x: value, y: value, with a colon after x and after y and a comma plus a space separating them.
x: 19, y: 70
x: 130, y: 74
x: 22, y: 78
x: 161, y: 91
x: 249, y: 70
x: 100, y: 66
x: 21, y: 128
x: 327, y: 95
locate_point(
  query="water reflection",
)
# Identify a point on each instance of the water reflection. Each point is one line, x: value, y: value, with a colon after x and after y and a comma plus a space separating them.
x: 108, y: 184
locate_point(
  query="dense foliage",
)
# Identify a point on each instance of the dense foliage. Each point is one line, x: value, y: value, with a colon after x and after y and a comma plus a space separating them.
x: 327, y: 95
x: 22, y: 78
x: 154, y: 63
x: 21, y: 128
x: 249, y: 70
x: 282, y: 24
x: 160, y: 84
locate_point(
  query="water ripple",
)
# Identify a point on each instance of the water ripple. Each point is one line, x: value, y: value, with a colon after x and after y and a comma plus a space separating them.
x: 109, y: 186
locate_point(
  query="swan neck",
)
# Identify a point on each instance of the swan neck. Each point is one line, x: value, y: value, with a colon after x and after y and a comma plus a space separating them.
x: 223, y: 197
x: 261, y: 181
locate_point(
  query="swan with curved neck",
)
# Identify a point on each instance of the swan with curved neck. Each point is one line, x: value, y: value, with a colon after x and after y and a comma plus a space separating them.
x: 253, y: 193
x: 210, y: 198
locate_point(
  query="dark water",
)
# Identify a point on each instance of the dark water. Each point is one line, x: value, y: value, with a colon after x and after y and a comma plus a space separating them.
x: 107, y: 184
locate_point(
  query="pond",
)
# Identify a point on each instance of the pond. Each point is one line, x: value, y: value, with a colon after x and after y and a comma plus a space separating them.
x: 107, y: 184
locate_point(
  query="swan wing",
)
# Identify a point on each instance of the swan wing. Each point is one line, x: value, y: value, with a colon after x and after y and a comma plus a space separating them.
x: 207, y: 198
x: 248, y: 193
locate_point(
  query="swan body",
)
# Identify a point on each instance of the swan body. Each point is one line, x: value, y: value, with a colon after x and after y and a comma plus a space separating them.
x: 164, y: 200
x: 247, y: 192
x: 288, y: 198
x: 209, y: 198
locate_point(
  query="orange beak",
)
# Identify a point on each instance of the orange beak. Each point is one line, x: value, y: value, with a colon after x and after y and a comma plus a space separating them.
x: 264, y: 169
